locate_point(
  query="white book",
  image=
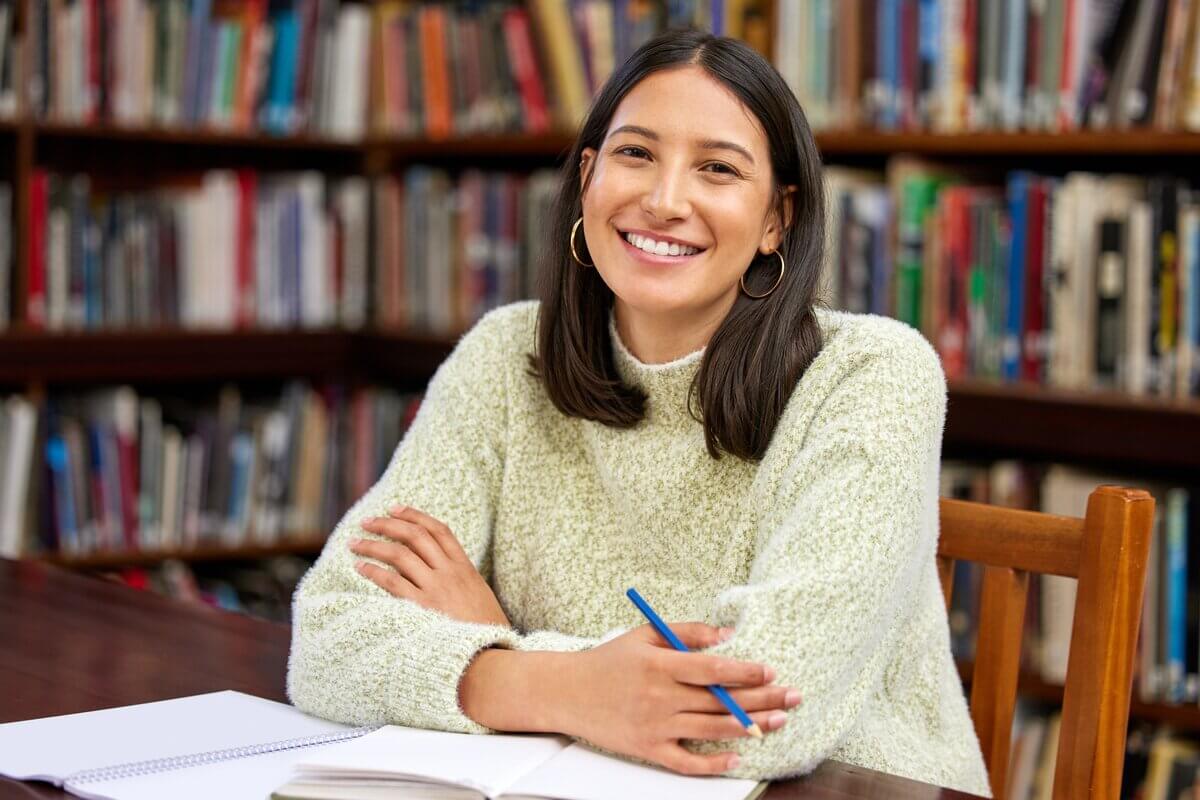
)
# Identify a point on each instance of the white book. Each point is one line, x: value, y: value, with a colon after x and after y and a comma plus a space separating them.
x: 18, y: 465
x: 1137, y: 318
x: 223, y: 744
x: 397, y: 762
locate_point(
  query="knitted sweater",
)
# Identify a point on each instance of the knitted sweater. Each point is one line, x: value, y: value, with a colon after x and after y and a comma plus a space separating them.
x: 821, y: 555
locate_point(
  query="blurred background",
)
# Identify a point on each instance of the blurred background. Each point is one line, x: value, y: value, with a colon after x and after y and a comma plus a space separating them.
x: 238, y: 236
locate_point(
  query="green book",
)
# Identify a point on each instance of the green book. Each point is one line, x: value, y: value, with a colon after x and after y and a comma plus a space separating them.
x: 918, y: 198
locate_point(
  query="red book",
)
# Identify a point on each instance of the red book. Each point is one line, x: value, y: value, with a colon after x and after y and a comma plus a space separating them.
x: 245, y: 314
x: 35, y: 308
x: 439, y: 113
x: 519, y: 42
x: 127, y: 466
x: 1063, y: 112
x: 953, y: 294
x: 1033, y: 351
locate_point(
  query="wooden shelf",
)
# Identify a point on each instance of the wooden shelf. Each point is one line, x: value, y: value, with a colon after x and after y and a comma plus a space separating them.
x: 1120, y: 431
x: 1133, y: 142
x: 1184, y: 717
x: 984, y: 419
x: 310, y: 545
x: 191, y: 137
x: 1136, y: 142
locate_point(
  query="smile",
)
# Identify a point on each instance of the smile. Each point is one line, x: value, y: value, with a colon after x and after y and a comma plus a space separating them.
x: 658, y: 251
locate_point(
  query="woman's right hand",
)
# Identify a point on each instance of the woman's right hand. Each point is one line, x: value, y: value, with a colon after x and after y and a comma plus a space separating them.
x: 637, y: 696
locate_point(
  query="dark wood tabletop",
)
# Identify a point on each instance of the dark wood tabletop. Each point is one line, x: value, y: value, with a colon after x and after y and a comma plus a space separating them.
x: 71, y: 643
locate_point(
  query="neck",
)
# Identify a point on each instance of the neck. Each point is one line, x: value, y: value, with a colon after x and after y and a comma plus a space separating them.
x: 663, y: 337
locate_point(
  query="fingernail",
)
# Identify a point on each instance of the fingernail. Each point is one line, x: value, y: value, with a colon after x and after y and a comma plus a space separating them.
x: 770, y: 674
x: 725, y: 634
x: 792, y: 698
x: 355, y: 542
x: 776, y: 720
x: 734, y: 762
x: 366, y: 520
x: 360, y: 565
x: 397, y: 510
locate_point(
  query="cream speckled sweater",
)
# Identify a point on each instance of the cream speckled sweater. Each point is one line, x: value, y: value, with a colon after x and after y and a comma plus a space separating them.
x: 821, y: 556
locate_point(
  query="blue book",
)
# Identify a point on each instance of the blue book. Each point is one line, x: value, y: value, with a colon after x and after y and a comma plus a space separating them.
x: 1014, y: 317
x: 282, y: 80
x: 1176, y: 519
x: 62, y: 493
x: 193, y: 75
x: 929, y: 53
x: 888, y: 33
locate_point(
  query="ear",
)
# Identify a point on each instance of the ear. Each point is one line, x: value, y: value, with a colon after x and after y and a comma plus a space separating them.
x: 587, y: 160
x: 775, y: 224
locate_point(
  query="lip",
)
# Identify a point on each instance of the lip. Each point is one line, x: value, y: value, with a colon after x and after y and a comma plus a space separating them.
x: 658, y: 237
x: 651, y: 258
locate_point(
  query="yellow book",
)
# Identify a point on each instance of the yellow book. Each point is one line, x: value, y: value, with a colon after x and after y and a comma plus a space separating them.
x: 562, y: 57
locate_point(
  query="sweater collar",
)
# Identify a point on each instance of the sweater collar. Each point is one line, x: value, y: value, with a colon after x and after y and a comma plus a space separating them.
x: 666, y: 385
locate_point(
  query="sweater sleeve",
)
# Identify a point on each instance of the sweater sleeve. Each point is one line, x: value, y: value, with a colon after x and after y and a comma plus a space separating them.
x: 360, y: 655
x: 835, y: 567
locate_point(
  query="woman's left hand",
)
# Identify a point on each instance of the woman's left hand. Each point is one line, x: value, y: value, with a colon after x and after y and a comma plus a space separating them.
x: 428, y: 566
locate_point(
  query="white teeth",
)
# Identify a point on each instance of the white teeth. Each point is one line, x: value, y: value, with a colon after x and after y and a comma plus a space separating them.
x: 659, y: 248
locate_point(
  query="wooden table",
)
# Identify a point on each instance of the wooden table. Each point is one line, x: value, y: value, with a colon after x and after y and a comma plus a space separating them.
x: 72, y: 643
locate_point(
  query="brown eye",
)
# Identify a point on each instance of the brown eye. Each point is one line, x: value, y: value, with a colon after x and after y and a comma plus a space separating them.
x: 724, y: 169
x: 630, y: 150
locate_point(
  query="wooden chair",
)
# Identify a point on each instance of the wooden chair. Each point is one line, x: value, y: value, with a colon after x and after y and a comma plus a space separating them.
x: 1107, y: 551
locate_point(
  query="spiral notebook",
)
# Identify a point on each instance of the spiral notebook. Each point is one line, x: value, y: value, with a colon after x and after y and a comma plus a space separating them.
x: 221, y: 745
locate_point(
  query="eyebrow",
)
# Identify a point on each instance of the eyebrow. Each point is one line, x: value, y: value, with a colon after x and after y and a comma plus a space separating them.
x: 706, y: 144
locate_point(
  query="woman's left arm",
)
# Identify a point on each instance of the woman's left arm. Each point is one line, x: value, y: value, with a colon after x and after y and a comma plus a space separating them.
x: 837, y: 569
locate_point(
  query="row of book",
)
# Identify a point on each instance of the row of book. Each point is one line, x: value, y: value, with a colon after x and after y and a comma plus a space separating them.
x: 241, y: 249
x: 1168, y: 662
x: 279, y: 67
x: 1081, y: 281
x: 1160, y: 764
x: 226, y: 249
x: 110, y: 471
x: 962, y: 65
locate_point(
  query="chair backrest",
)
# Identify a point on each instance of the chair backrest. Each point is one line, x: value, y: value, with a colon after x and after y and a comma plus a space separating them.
x: 1107, y: 551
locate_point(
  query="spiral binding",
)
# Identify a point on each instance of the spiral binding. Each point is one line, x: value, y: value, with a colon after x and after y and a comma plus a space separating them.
x: 137, y: 768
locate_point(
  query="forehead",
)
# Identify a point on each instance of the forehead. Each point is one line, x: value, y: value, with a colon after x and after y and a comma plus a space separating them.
x: 686, y: 103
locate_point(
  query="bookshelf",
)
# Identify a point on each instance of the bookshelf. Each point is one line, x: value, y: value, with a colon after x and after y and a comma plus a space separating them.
x: 1147, y: 436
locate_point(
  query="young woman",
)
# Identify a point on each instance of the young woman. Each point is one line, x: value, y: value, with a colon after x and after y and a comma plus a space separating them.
x: 675, y: 414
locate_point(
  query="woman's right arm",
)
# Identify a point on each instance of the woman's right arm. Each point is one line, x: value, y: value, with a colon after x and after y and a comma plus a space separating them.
x: 633, y: 695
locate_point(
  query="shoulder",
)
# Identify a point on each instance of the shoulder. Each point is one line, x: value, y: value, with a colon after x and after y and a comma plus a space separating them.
x: 866, y: 343
x: 496, y: 343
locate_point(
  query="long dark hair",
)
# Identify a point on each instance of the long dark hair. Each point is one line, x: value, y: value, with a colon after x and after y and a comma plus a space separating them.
x: 754, y: 359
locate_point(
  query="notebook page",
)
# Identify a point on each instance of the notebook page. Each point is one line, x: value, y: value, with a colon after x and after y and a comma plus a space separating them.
x: 253, y: 778
x: 52, y: 748
x: 580, y: 773
x: 486, y: 763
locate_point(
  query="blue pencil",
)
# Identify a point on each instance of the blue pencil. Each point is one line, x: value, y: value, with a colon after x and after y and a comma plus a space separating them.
x: 716, y: 689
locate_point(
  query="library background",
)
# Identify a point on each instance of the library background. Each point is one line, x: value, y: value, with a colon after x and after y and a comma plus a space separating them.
x: 237, y: 237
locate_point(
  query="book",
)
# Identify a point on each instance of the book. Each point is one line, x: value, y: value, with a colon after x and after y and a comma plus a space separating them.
x: 186, y: 747
x: 397, y: 762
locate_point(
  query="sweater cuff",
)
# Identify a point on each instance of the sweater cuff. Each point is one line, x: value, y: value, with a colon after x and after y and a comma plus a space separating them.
x: 555, y: 642
x: 433, y: 682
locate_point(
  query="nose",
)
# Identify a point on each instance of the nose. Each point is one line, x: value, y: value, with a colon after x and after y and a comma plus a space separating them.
x: 667, y: 199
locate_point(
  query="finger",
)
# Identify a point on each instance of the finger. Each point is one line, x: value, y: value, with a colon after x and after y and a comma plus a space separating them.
x: 388, y: 580
x: 758, y: 698
x: 701, y: 669
x: 436, y: 528
x: 399, y: 557
x: 409, y: 534
x: 688, y: 725
x: 674, y: 757
x: 696, y: 635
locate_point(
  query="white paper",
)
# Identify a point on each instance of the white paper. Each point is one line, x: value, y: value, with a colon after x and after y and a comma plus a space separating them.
x: 53, y: 748
x: 486, y: 763
x: 580, y: 773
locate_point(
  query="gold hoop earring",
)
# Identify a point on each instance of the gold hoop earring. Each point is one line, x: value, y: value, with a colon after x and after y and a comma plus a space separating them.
x: 782, y: 268
x: 575, y: 255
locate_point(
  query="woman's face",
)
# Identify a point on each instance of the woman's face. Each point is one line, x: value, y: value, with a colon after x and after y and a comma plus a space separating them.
x: 685, y: 173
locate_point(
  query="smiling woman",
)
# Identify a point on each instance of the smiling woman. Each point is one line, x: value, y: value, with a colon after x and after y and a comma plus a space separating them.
x: 678, y: 414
